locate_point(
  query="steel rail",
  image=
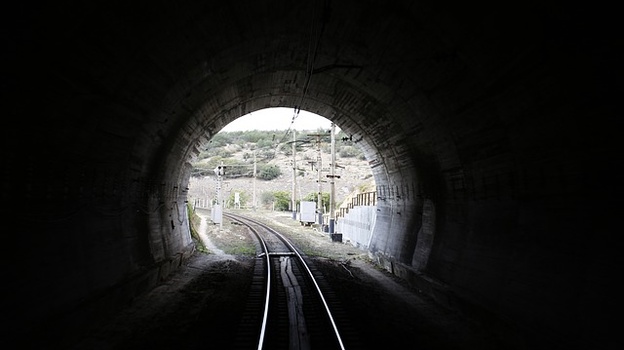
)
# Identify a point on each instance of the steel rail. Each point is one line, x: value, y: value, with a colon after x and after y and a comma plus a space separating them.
x: 286, y: 241
x: 265, y: 315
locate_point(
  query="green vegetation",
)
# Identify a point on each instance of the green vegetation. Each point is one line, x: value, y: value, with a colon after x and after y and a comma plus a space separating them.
x: 269, y: 172
x: 278, y: 200
x: 194, y: 221
x: 267, y: 199
x: 313, y: 197
x: 239, y: 248
x: 231, y: 242
x: 264, y: 144
x: 243, y: 198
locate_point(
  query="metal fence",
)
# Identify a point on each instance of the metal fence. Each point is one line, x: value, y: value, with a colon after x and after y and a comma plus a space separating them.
x: 361, y: 199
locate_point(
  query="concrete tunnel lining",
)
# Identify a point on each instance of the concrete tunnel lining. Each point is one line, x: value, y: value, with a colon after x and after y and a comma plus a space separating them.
x: 390, y: 159
x: 463, y: 122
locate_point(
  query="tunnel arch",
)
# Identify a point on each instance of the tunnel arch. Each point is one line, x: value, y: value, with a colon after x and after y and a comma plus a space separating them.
x: 461, y: 106
x: 359, y: 92
x: 372, y: 132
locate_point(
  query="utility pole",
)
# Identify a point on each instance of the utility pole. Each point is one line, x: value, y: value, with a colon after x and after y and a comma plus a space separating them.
x: 294, y: 176
x: 332, y: 176
x: 319, y: 168
x: 319, y: 200
x: 319, y: 203
x: 254, y: 182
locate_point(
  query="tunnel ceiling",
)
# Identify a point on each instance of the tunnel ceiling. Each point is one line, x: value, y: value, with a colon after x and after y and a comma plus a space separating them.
x: 307, y: 60
x: 441, y: 98
x: 161, y: 79
x: 440, y: 103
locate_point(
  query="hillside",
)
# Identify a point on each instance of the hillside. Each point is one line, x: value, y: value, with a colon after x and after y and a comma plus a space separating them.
x: 236, y: 151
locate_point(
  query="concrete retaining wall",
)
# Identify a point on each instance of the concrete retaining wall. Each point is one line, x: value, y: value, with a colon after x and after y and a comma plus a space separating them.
x: 357, y: 225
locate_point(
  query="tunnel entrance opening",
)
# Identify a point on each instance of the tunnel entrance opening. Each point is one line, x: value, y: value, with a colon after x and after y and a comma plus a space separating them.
x: 282, y: 158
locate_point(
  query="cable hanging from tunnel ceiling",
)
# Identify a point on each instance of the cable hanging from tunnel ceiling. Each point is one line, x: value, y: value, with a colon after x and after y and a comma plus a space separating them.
x: 313, y: 44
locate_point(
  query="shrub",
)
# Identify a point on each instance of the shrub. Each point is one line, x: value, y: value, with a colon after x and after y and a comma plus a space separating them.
x: 266, y: 198
x: 313, y: 197
x: 269, y: 172
x: 242, y: 196
x: 348, y: 152
x: 282, y: 200
x: 279, y: 200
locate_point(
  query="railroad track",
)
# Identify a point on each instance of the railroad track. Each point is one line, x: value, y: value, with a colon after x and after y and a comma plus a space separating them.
x: 290, y: 305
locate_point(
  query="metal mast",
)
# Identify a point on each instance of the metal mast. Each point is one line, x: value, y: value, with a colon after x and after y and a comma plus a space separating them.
x: 332, y: 176
x: 294, y: 177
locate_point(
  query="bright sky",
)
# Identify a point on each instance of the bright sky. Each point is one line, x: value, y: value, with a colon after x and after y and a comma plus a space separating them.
x: 279, y: 118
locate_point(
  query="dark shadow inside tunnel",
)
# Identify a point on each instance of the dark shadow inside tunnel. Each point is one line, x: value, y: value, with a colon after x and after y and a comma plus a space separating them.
x: 491, y: 132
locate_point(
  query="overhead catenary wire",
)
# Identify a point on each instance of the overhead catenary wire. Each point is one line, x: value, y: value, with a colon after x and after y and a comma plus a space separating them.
x: 314, y: 40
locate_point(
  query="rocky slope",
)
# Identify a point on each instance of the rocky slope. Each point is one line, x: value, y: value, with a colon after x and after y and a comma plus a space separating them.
x: 354, y: 176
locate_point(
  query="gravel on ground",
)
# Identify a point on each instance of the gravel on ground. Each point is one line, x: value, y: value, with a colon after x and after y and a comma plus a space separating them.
x: 200, y: 304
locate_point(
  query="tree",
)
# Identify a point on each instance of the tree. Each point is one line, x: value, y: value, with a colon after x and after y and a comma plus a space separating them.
x: 243, y: 198
x: 282, y: 200
x: 313, y: 197
x: 267, y: 198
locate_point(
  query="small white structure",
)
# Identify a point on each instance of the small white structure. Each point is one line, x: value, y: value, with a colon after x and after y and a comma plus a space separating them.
x: 237, y: 200
x: 307, y: 212
x: 216, y: 214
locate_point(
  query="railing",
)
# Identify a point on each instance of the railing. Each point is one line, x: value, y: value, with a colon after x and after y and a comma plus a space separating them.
x: 364, y: 198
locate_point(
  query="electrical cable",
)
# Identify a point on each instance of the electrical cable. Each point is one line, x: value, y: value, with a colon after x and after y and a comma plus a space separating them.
x: 313, y: 46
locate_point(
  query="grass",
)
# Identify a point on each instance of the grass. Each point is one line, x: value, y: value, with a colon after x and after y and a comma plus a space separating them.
x: 194, y: 219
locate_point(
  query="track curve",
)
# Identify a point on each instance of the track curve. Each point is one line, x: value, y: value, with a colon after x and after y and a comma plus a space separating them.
x: 290, y: 305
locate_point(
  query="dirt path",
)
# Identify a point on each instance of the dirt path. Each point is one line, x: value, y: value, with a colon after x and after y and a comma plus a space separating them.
x: 203, y: 235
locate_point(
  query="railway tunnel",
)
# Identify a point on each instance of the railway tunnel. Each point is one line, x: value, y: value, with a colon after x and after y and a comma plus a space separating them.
x: 490, y: 130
